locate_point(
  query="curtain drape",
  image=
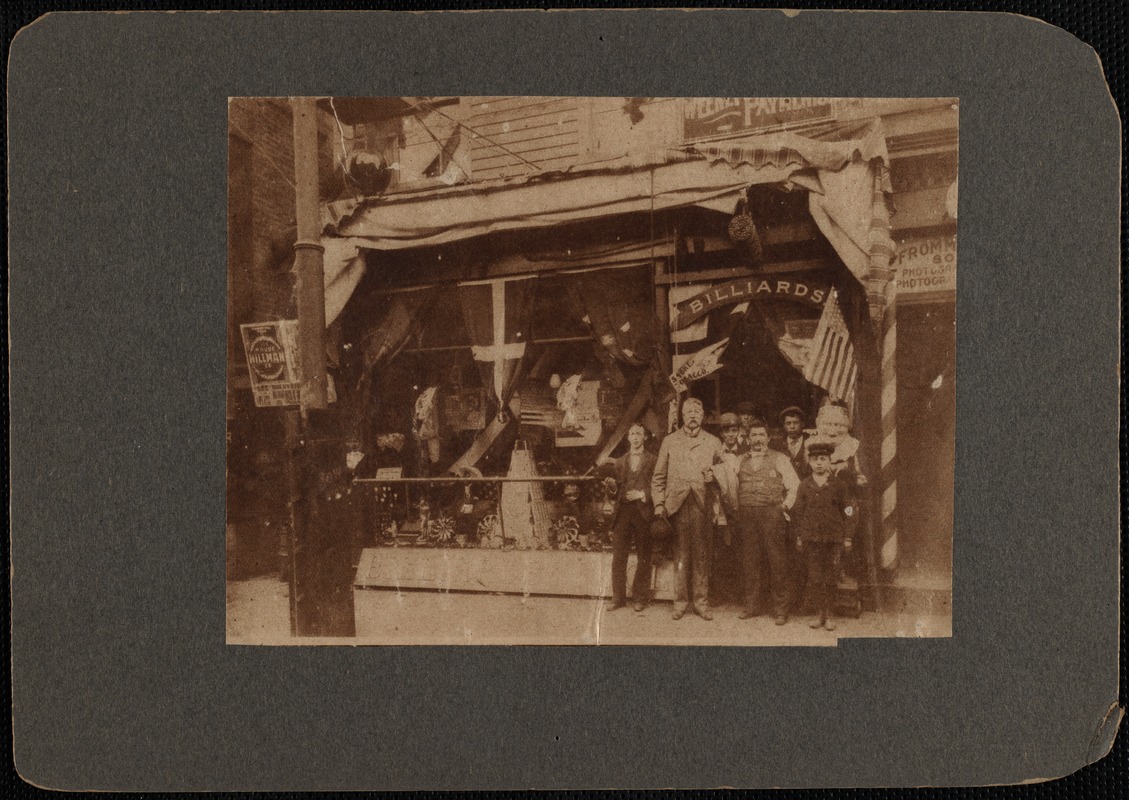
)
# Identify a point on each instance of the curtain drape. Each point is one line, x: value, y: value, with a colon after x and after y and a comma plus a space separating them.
x: 618, y: 309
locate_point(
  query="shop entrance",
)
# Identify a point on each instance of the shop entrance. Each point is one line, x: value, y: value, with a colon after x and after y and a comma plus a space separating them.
x: 769, y: 343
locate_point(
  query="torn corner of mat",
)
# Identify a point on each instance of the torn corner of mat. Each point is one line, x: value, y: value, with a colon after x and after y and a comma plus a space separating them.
x: 1106, y: 733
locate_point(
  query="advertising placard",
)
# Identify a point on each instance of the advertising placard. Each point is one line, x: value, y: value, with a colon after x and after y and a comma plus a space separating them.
x: 272, y: 359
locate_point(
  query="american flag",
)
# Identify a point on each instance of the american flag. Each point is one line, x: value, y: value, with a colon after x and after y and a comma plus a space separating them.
x: 832, y: 365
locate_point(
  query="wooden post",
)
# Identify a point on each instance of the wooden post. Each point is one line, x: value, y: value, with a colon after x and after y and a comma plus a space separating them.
x: 308, y: 252
x: 661, y: 284
x: 293, y: 544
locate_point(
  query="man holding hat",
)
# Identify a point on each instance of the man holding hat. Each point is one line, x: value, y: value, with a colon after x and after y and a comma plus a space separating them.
x: 631, y: 482
x: 681, y: 491
x: 794, y: 441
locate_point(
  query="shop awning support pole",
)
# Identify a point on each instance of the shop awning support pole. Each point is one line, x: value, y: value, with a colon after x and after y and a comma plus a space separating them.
x: 662, y: 285
x: 310, y: 291
x: 308, y: 252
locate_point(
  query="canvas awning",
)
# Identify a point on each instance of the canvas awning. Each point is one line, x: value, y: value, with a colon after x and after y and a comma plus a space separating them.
x: 845, y: 176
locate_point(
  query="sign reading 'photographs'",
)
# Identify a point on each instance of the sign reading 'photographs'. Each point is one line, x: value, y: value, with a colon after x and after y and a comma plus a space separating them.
x: 272, y: 360
x: 718, y: 116
x: 927, y: 265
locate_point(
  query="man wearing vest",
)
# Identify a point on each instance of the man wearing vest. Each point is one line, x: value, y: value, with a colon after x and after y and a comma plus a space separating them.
x: 763, y: 489
x: 632, y: 522
x: 681, y: 491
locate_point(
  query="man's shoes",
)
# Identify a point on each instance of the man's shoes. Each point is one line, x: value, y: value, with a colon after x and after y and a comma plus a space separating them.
x: 815, y: 624
x: 615, y: 605
x: 829, y: 625
x: 678, y: 613
x: 781, y: 619
x: 704, y: 613
x: 746, y: 614
x: 639, y: 606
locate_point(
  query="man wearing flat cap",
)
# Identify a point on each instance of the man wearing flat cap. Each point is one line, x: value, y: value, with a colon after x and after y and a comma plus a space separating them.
x: 746, y: 413
x: 725, y: 583
x: 794, y: 441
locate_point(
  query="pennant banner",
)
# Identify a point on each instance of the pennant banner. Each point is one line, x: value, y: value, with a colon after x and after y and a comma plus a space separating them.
x: 699, y: 365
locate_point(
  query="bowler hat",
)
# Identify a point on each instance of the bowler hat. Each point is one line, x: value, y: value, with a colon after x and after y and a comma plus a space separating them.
x: 660, y: 528
x: 729, y: 420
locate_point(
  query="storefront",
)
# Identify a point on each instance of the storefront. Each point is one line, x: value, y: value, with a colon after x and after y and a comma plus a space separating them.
x: 497, y: 339
x: 491, y: 337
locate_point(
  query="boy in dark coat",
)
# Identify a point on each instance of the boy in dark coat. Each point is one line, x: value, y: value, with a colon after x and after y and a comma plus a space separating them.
x: 823, y: 520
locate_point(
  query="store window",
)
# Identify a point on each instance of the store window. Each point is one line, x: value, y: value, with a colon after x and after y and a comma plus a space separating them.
x: 589, y: 353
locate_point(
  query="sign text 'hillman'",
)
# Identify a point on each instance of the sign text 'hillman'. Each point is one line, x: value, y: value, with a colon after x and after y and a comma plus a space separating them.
x: 272, y: 360
x: 744, y: 289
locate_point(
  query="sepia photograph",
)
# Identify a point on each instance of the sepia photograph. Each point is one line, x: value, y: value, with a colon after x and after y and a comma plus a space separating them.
x: 590, y: 370
x: 348, y: 426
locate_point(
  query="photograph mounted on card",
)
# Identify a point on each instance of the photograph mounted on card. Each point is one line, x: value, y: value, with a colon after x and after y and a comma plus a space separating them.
x: 700, y: 303
x: 511, y: 378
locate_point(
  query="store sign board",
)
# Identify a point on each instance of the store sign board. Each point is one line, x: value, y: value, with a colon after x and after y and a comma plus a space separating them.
x: 272, y: 359
x: 744, y: 289
x: 927, y: 264
x: 717, y: 116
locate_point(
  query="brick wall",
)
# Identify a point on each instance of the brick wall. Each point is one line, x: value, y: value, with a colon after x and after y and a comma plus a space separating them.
x: 265, y: 123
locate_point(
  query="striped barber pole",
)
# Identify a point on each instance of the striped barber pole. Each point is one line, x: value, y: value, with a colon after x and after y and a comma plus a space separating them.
x: 882, y: 295
x: 888, y: 470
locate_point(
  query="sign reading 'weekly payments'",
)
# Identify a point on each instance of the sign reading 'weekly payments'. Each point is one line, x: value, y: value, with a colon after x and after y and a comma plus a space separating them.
x: 717, y: 116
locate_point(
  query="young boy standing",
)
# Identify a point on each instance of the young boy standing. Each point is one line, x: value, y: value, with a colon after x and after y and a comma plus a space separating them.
x: 823, y: 518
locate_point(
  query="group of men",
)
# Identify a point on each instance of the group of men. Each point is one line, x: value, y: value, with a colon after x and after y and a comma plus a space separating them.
x: 742, y: 484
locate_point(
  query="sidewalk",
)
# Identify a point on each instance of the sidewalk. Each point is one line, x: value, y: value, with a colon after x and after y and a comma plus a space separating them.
x: 258, y: 613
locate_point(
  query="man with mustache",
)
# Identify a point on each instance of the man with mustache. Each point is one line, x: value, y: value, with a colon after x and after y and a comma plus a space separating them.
x: 681, y: 491
x: 763, y: 492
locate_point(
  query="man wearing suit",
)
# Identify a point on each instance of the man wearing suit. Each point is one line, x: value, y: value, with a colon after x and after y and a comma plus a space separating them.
x: 725, y: 583
x: 681, y: 492
x: 632, y: 521
x: 794, y: 441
